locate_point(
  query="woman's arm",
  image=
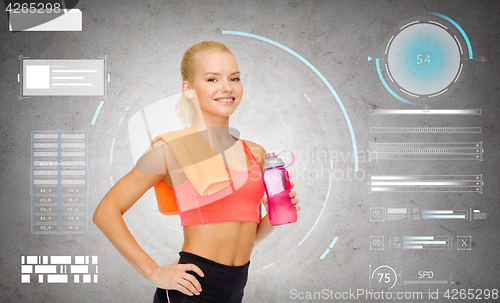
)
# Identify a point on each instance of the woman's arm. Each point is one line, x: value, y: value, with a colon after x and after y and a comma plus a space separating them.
x: 108, y: 217
x: 264, y: 228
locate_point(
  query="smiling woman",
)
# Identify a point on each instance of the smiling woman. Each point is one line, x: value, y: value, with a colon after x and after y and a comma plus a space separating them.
x: 212, y: 179
x: 217, y: 87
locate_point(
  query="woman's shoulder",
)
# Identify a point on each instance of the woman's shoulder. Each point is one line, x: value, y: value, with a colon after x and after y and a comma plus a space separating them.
x: 258, y: 151
x: 154, y: 160
x: 174, y: 134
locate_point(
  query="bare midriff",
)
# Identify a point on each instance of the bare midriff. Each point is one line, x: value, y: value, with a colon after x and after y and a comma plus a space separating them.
x: 228, y: 243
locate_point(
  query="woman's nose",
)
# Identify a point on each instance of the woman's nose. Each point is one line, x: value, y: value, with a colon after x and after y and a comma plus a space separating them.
x: 226, y: 86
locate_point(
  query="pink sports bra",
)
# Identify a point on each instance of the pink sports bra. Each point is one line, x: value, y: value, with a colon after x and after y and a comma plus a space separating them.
x: 238, y: 202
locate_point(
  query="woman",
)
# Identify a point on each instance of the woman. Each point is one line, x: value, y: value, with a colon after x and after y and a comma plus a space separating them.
x: 219, y: 236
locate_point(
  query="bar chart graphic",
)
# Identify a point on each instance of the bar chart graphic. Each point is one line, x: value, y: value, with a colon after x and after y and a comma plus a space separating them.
x: 426, y: 242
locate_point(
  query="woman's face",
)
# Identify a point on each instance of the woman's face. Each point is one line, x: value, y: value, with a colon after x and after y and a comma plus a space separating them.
x: 217, y: 83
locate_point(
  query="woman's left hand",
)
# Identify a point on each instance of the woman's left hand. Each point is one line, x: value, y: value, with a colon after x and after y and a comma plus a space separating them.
x: 293, y: 195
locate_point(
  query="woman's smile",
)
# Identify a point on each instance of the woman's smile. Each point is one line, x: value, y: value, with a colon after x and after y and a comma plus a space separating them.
x: 225, y: 100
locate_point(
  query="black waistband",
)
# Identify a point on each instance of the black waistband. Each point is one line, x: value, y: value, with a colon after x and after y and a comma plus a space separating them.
x: 186, y: 256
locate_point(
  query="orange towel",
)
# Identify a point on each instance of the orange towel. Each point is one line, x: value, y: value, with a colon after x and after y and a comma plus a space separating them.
x: 165, y: 198
x: 204, y: 170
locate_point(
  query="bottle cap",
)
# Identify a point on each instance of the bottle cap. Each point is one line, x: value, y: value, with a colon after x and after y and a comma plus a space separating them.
x: 272, y: 161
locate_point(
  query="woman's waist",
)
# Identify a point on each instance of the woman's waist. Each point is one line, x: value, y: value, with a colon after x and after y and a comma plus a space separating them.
x: 228, y: 243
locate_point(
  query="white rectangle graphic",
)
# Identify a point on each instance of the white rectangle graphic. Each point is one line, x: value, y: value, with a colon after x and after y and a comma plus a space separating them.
x: 26, y: 269
x: 37, y: 76
x: 86, y: 278
x: 57, y: 278
x: 45, y: 269
x: 79, y: 269
x: 60, y: 259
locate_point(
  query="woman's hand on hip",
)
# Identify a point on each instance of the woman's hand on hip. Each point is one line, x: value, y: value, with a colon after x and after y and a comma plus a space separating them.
x: 175, y: 276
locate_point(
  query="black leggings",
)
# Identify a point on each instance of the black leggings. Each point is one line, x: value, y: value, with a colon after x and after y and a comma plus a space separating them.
x: 221, y: 283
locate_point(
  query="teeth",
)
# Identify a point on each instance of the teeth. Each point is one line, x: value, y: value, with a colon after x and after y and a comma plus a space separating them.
x: 227, y: 100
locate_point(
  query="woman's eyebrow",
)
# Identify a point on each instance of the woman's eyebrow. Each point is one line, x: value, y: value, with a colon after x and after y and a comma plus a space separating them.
x: 213, y: 73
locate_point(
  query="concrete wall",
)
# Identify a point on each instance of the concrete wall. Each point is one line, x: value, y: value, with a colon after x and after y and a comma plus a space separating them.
x: 286, y: 105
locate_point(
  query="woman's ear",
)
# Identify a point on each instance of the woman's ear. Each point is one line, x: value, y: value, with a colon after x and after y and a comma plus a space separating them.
x: 187, y: 90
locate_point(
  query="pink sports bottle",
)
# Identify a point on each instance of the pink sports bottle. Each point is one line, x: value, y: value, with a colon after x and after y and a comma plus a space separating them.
x: 280, y: 208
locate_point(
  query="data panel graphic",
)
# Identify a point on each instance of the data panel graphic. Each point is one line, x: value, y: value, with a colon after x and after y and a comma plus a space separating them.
x: 423, y: 59
x: 70, y: 77
x: 59, y: 182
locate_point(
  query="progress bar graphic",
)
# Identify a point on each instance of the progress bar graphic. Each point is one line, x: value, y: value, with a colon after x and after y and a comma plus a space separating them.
x: 427, y: 183
x: 425, y: 112
x: 426, y: 151
x: 426, y: 130
x: 383, y: 214
x: 446, y: 214
x: 420, y: 243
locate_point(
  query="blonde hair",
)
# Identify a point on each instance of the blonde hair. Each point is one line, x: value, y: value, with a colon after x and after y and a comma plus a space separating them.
x: 184, y: 108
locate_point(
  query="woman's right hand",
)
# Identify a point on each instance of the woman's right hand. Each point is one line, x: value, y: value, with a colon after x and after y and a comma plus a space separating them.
x: 175, y: 277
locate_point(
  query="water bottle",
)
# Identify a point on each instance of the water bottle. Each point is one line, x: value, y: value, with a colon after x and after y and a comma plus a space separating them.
x: 280, y: 208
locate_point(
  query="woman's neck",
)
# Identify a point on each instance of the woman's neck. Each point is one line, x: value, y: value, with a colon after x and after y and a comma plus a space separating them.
x: 217, y: 127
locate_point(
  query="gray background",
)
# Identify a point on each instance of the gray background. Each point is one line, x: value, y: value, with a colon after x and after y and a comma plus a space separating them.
x: 144, y: 41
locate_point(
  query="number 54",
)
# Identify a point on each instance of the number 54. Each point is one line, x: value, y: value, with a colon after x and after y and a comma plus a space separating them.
x: 427, y: 59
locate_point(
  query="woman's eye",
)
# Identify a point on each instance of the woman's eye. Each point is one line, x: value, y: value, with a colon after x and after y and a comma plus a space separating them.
x: 235, y: 79
x: 211, y: 80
